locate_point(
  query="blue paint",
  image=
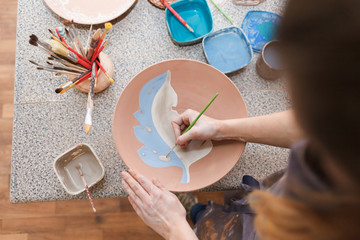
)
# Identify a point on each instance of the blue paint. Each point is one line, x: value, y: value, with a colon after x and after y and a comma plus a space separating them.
x: 151, y: 139
x: 197, y: 14
x: 259, y: 27
x: 227, y: 49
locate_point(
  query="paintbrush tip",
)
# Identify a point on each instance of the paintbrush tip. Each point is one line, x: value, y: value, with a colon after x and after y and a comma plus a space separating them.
x: 87, y: 128
x: 32, y: 42
x: 58, y: 90
x: 68, y: 22
x: 190, y: 28
x: 34, y: 37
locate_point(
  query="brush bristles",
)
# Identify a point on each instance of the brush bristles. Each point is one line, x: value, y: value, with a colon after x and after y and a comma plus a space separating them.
x: 68, y: 22
x: 33, y: 62
x: 34, y: 37
x: 58, y: 48
x: 58, y: 90
x: 87, y: 128
x: 33, y: 42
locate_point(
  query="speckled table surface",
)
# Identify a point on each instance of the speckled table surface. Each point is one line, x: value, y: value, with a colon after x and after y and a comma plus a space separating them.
x: 47, y: 124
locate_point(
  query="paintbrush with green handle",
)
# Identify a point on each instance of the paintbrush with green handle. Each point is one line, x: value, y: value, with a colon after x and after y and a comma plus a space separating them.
x: 193, y: 122
x: 227, y: 17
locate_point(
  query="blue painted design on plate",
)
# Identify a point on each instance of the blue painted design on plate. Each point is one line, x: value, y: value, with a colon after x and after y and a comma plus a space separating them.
x: 228, y: 49
x: 151, y: 139
x: 259, y: 27
x: 196, y: 13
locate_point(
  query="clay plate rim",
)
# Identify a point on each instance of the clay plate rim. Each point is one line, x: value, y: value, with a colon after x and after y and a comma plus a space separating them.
x: 240, y: 145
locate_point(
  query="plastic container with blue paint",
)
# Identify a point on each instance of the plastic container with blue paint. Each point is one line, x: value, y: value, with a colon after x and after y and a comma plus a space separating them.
x: 227, y: 49
x: 197, y: 14
x: 259, y: 27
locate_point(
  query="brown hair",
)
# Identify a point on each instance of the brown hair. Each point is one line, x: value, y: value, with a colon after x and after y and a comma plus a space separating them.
x: 321, y: 41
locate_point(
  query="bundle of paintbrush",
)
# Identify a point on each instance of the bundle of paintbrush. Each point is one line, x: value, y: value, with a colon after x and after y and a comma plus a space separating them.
x: 70, y: 57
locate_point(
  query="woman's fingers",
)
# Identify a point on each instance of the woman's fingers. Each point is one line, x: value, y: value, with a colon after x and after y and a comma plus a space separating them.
x: 145, y: 183
x: 184, y: 139
x: 157, y: 183
x: 135, y: 187
x: 177, y: 129
x: 136, y: 207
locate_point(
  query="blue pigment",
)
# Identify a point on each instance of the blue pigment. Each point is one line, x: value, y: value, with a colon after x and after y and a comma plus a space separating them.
x: 196, y: 14
x: 227, y: 50
x: 153, y: 143
x: 259, y: 27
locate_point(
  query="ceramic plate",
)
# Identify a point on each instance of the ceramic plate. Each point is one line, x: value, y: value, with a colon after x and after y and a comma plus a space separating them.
x: 195, y: 84
x: 259, y: 27
x: 89, y: 11
x: 227, y: 49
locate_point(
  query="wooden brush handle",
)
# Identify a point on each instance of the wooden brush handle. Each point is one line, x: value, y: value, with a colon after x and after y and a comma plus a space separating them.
x: 90, y: 53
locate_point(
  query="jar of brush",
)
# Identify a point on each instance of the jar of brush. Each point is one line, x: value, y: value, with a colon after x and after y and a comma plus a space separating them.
x: 89, y: 69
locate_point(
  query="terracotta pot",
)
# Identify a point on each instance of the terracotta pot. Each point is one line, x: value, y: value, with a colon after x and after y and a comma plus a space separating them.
x: 102, y: 81
x: 267, y: 64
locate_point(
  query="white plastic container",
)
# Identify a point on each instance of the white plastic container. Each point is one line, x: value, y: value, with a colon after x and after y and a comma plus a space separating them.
x: 66, y: 168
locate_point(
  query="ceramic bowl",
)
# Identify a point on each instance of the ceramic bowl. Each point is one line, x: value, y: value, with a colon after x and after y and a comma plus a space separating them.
x: 227, y: 49
x: 90, y: 11
x: 195, y: 83
x: 259, y: 27
x: 197, y: 14
x: 66, y: 164
x: 102, y: 81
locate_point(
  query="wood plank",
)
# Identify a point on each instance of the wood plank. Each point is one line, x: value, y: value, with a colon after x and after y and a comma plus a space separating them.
x: 46, y: 236
x: 84, y: 207
x: 73, y: 234
x: 6, y: 124
x: 129, y: 220
x: 31, y: 225
x: 5, y: 157
x: 22, y: 236
x: 6, y: 137
x: 123, y: 234
x: 7, y: 96
x: 88, y: 234
x: 204, y: 197
x: 7, y: 46
x: 23, y: 211
x: 7, y: 110
x: 4, y: 182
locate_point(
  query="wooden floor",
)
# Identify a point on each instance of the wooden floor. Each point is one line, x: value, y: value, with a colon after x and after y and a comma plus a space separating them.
x: 54, y: 220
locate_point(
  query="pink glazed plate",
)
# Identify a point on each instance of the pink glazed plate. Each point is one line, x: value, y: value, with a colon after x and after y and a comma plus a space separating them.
x: 89, y: 11
x: 195, y: 84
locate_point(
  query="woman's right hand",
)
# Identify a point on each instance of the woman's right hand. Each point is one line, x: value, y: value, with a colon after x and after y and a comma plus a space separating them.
x: 204, y: 129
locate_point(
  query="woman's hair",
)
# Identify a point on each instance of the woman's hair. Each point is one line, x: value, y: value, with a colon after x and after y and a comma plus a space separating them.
x: 321, y: 40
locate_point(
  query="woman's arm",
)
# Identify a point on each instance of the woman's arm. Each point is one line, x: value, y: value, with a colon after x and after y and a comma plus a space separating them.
x: 157, y: 207
x: 278, y: 129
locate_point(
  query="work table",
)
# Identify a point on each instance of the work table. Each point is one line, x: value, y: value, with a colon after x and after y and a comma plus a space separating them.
x: 47, y: 124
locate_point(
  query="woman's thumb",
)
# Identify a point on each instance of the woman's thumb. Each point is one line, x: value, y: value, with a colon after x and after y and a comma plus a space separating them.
x: 184, y: 139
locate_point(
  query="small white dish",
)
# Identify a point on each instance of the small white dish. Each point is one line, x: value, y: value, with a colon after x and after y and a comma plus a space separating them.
x: 67, y: 164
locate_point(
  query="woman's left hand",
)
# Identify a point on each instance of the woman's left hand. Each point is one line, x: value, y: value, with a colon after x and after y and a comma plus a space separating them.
x: 157, y: 207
